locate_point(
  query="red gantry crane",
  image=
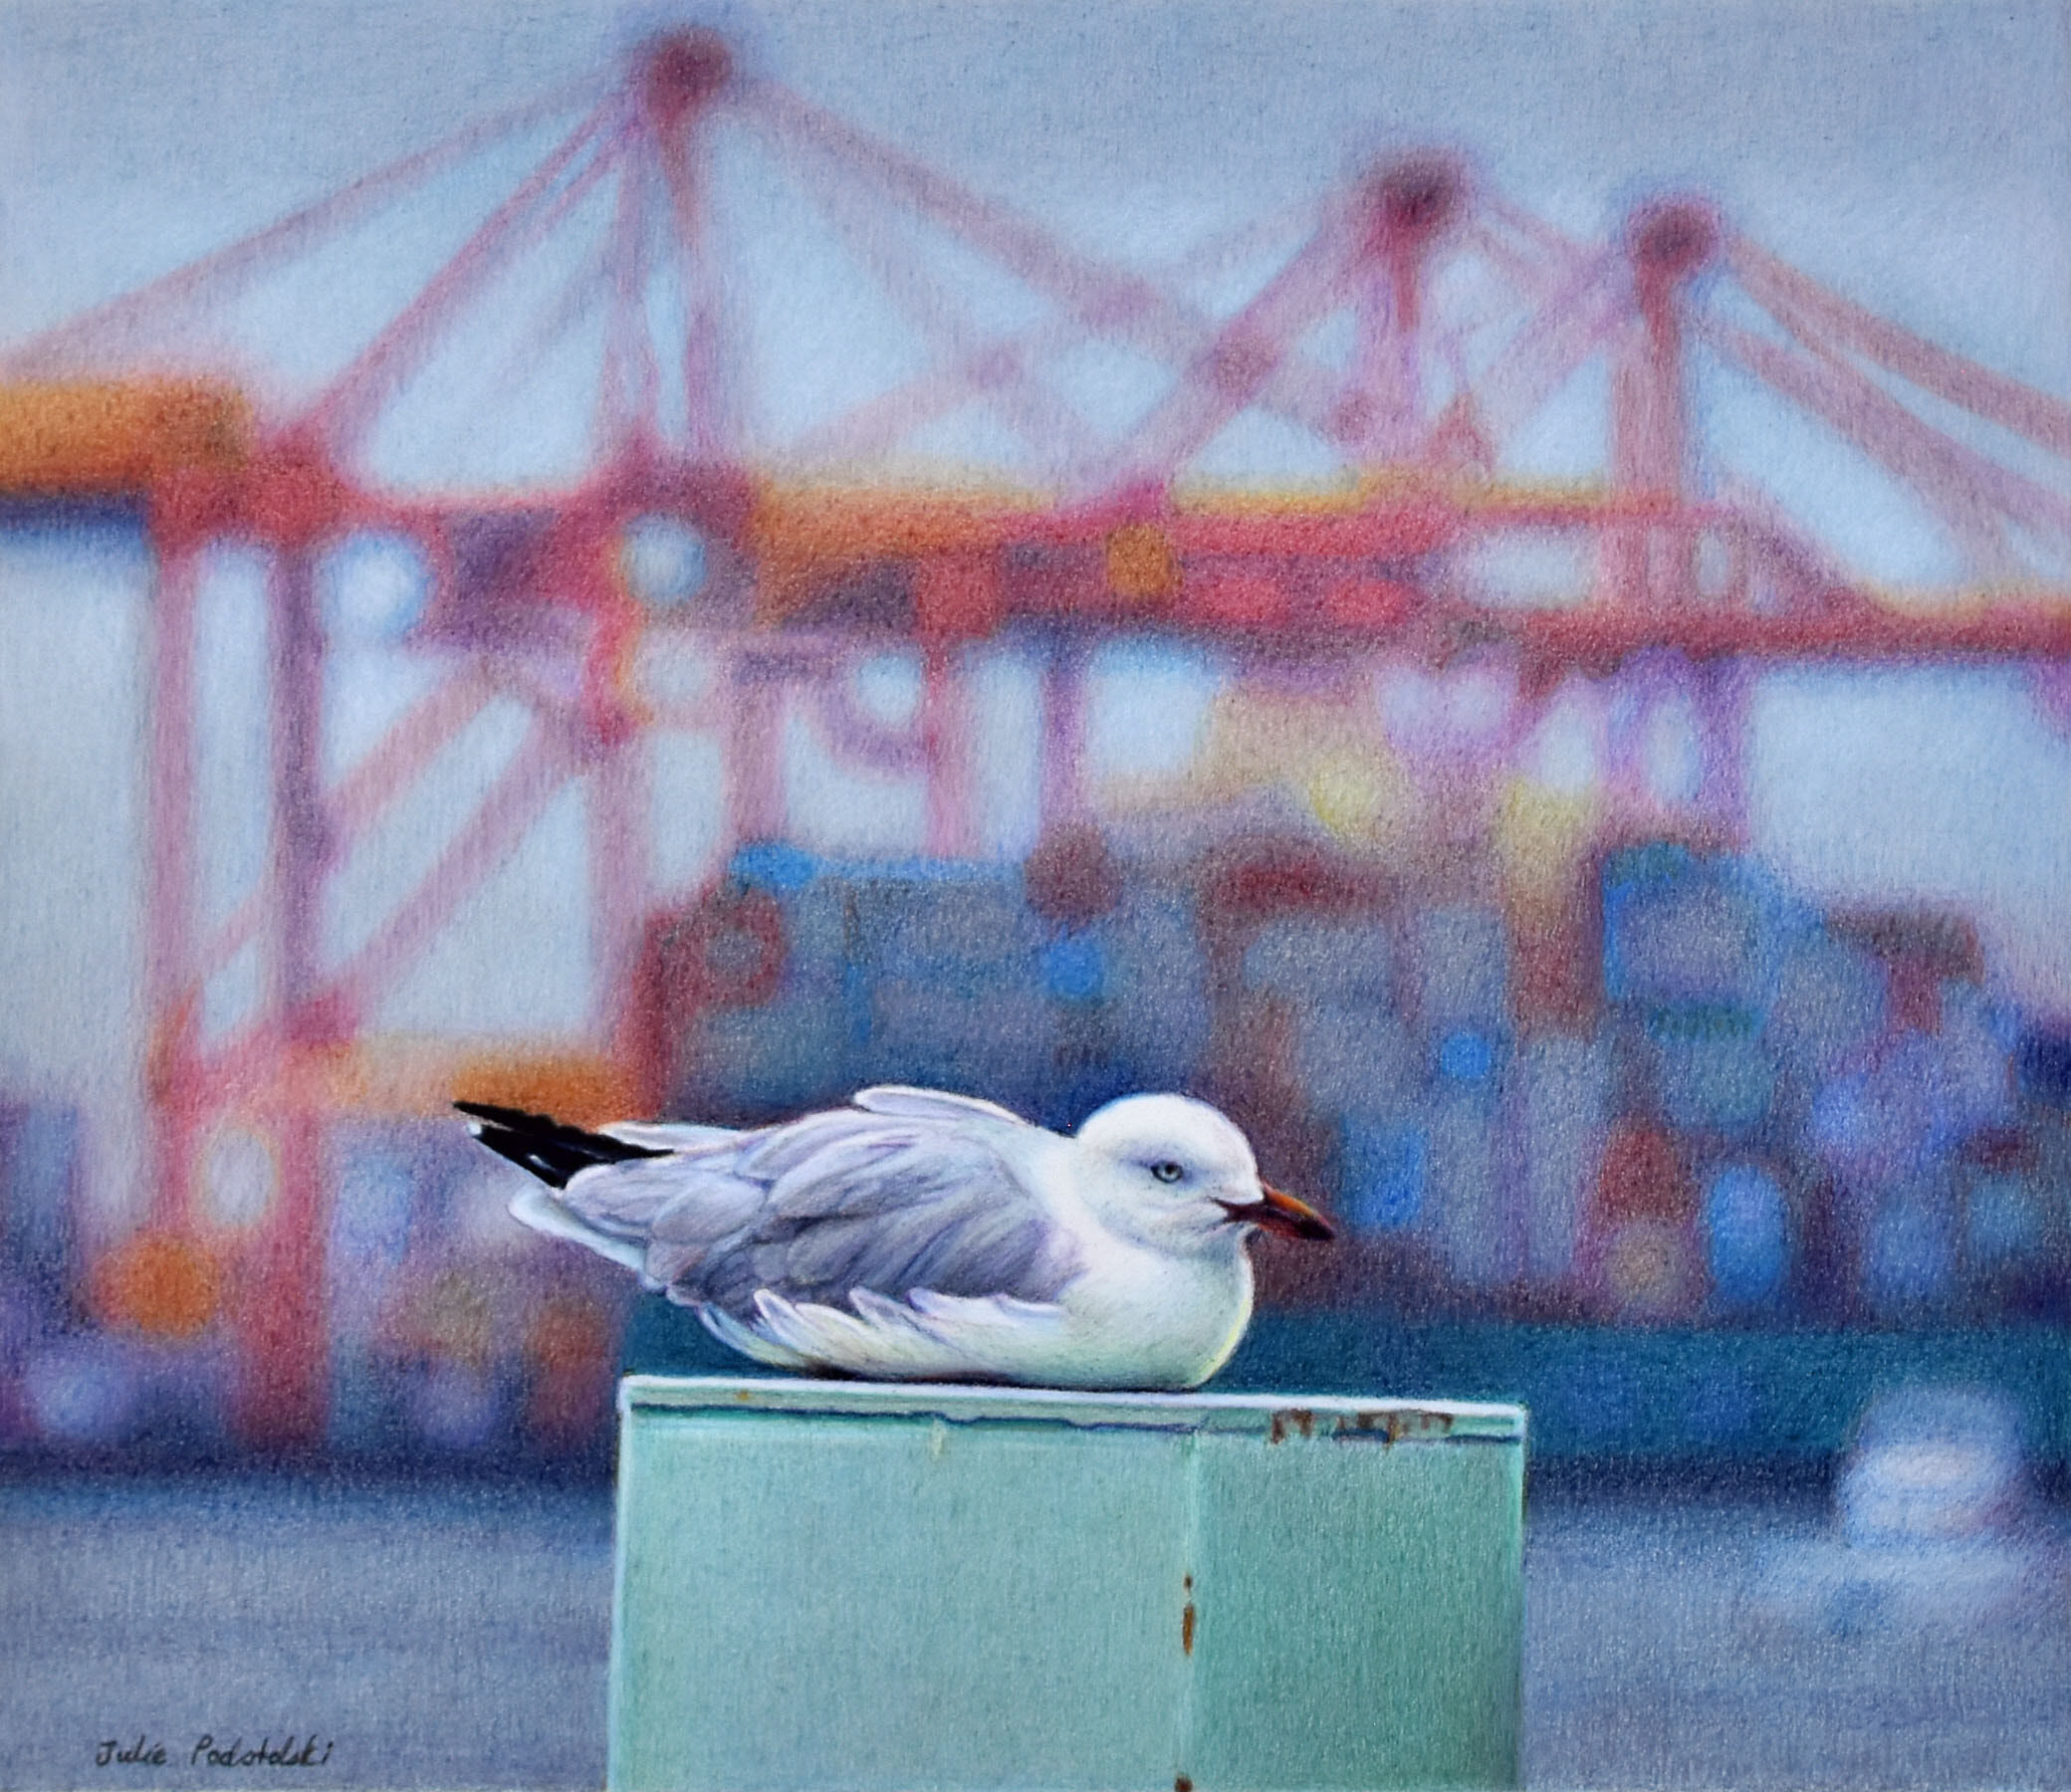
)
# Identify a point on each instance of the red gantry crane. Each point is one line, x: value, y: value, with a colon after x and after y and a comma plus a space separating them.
x: 784, y: 580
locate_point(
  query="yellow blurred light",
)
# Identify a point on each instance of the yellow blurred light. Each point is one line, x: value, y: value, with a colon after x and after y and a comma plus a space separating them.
x: 1361, y: 796
x: 1541, y: 835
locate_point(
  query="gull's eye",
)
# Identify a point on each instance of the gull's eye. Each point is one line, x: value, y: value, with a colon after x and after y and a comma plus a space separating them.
x: 1168, y: 1171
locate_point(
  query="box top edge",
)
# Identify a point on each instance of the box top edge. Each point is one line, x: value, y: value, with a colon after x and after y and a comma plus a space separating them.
x: 1275, y: 1413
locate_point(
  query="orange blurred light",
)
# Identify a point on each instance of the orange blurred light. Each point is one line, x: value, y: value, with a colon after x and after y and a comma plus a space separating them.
x: 98, y: 437
x: 1141, y: 563
x: 159, y: 1283
x: 582, y: 1089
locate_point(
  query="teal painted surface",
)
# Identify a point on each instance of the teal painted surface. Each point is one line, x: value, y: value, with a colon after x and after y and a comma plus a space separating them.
x: 1361, y: 1614
x: 858, y: 1586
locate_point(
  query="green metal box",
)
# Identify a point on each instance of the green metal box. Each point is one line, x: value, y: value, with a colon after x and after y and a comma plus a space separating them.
x: 854, y: 1585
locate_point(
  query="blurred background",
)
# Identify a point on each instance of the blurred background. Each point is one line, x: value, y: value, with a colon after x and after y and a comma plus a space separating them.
x: 1481, y: 586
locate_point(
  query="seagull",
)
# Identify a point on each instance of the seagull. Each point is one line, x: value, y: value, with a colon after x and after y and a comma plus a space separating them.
x: 921, y: 1235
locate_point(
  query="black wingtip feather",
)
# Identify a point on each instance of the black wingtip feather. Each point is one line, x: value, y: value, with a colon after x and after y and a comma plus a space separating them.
x: 548, y: 1148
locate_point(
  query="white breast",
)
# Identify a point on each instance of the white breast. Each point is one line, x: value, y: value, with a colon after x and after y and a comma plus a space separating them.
x: 1141, y: 1318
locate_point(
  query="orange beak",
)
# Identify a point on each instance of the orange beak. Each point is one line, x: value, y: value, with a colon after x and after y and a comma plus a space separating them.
x: 1281, y: 1213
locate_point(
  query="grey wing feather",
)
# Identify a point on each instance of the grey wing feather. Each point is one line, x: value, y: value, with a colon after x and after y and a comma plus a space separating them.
x: 899, y: 1101
x: 848, y: 1177
x: 671, y: 1135
x: 918, y: 1192
x: 779, y: 1148
x: 539, y: 1207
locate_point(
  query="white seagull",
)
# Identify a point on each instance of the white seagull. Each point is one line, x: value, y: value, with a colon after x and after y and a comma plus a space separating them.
x: 920, y: 1235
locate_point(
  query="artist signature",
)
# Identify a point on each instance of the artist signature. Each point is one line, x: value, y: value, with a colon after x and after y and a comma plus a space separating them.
x: 146, y: 1751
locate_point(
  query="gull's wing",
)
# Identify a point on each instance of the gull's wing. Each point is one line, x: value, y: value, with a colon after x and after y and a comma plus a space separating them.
x: 936, y: 1336
x: 908, y: 1192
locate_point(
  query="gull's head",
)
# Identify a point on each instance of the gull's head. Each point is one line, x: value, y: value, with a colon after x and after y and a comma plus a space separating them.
x: 1172, y: 1172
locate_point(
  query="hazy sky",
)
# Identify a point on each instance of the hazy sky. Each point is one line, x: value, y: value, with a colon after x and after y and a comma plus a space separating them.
x: 1914, y: 155
x: 1819, y: 126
